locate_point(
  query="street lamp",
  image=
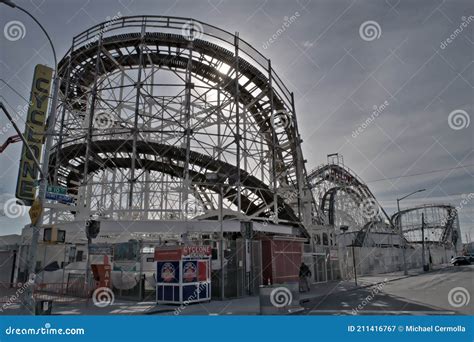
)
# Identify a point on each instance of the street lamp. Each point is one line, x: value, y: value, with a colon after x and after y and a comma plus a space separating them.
x: 45, y: 162
x: 400, y: 230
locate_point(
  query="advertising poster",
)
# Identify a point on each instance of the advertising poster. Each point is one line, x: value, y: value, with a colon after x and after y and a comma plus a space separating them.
x: 167, y: 272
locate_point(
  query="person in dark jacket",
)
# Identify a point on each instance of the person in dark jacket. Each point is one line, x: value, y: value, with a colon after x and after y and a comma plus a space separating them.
x: 304, y: 276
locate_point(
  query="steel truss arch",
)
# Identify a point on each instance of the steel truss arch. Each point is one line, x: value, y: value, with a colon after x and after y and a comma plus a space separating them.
x: 441, y: 223
x: 342, y: 198
x: 175, y: 109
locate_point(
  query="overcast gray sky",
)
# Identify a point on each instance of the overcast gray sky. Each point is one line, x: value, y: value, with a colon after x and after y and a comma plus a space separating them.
x: 337, y: 70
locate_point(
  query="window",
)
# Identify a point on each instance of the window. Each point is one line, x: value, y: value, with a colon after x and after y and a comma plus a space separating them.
x: 79, y: 256
x: 61, y: 236
x: 47, y: 234
x: 325, y: 239
x: 318, y: 239
x: 72, y: 253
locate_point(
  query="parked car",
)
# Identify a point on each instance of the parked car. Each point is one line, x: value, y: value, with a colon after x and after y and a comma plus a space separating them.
x: 460, y: 260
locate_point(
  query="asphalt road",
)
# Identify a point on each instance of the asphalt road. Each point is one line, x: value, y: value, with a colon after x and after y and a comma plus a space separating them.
x: 425, y: 294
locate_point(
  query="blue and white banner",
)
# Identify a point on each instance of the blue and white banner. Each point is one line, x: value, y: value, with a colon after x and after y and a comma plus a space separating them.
x: 237, y: 328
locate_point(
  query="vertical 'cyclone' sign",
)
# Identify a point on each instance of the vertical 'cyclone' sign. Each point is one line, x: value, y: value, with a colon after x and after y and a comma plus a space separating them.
x: 34, y: 133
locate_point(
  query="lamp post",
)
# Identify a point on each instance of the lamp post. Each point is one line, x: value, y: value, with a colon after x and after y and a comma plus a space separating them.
x: 45, y: 162
x: 400, y: 230
x: 423, y: 262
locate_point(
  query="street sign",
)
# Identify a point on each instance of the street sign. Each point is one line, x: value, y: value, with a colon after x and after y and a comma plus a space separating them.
x: 56, y: 189
x: 59, y: 197
x: 34, y: 133
x: 35, y: 211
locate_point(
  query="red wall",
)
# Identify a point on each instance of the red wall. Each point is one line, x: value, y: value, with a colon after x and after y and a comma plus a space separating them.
x: 281, y: 260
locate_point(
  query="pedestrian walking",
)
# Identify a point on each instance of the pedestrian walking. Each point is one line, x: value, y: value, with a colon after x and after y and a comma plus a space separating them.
x: 304, y: 275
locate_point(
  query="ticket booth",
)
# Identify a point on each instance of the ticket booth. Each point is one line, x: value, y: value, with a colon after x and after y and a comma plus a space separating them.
x: 183, y: 274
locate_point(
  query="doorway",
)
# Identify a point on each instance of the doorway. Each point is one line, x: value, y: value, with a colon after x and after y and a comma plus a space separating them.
x: 320, y: 268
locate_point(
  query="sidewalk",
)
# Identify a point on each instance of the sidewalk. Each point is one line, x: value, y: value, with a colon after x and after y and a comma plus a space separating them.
x: 240, y: 306
x: 387, y: 277
x: 324, y: 289
x: 249, y: 305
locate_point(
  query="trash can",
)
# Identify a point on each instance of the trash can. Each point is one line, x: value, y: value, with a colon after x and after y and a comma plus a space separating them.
x: 279, y: 299
x: 43, y: 307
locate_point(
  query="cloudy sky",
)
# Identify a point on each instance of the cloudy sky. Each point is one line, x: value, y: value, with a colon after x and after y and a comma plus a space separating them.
x: 341, y: 58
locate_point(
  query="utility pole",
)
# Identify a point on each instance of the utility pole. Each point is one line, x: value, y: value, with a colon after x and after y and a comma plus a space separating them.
x: 400, y: 230
x: 423, y: 241
x: 344, y: 229
x: 221, y: 240
x: 354, y: 264
x: 31, y: 260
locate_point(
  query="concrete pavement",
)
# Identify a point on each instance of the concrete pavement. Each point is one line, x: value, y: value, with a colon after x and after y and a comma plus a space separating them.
x: 443, y: 291
x: 249, y: 305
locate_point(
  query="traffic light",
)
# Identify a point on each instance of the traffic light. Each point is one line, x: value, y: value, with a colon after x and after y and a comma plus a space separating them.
x: 92, y: 229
